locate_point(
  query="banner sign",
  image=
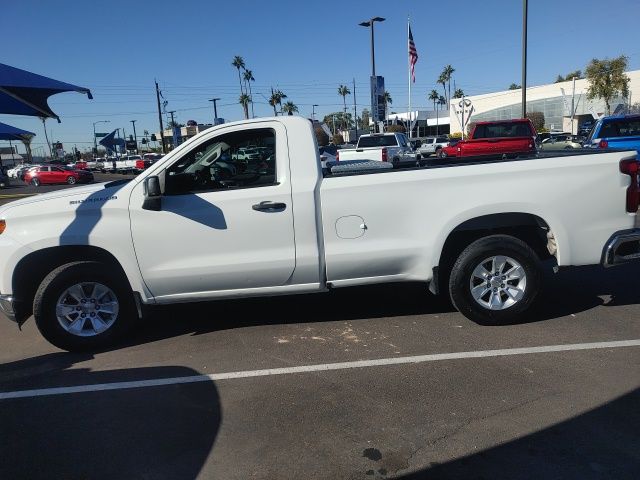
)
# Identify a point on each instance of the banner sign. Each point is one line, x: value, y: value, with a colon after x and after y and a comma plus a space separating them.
x: 377, y: 98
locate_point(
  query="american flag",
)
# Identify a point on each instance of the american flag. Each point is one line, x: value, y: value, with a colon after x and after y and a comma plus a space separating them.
x: 413, y: 56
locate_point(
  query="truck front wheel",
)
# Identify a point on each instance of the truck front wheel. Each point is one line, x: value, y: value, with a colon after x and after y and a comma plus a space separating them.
x: 83, y: 306
x: 495, y: 280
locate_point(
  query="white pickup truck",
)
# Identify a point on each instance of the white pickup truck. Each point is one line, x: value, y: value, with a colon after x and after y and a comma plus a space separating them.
x: 382, y: 147
x: 86, y: 260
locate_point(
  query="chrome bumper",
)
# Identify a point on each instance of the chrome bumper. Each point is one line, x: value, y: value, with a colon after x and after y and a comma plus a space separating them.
x: 622, y: 247
x: 7, y: 307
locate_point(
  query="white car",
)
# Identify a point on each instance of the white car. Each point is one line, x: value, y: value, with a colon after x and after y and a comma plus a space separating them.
x: 87, y: 260
x: 13, y: 172
x: 432, y: 145
x: 382, y: 147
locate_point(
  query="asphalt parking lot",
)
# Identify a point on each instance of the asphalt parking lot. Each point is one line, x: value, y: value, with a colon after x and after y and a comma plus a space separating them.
x: 363, y: 383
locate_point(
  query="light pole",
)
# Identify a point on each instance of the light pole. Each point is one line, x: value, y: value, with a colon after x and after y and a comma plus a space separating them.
x: 370, y: 23
x: 135, y: 137
x: 313, y: 111
x: 95, y: 144
x: 215, y: 109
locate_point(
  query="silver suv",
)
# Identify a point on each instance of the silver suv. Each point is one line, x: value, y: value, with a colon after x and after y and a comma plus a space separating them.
x: 431, y: 145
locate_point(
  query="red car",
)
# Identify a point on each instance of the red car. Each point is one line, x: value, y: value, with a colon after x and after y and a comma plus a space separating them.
x: 504, y: 137
x: 49, y: 174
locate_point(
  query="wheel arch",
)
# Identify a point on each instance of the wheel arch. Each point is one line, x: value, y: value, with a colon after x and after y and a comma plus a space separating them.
x: 528, y: 227
x: 34, y: 267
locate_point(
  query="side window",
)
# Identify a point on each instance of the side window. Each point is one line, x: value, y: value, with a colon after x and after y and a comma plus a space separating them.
x: 56, y: 169
x: 242, y: 159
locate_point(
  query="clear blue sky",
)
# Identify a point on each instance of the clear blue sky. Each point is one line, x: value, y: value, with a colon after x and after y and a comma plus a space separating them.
x: 306, y: 49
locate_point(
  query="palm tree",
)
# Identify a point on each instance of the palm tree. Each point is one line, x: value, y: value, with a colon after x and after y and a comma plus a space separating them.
x: 273, y: 101
x: 238, y: 62
x: 248, y: 78
x: 445, y: 77
x: 244, y: 101
x: 343, y: 90
x: 433, y: 96
x: 442, y: 81
x: 442, y: 101
x: 387, y: 101
x: 458, y: 93
x: 290, y: 108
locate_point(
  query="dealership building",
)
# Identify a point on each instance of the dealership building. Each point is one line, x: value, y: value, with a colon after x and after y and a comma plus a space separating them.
x: 556, y: 101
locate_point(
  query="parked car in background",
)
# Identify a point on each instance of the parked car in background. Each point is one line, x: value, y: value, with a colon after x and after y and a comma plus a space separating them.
x: 585, y: 128
x: 51, y: 174
x: 4, y: 179
x: 15, y: 171
x: 431, y: 145
x: 147, y: 160
x: 381, y: 147
x: 616, y: 132
x: 560, y: 142
x: 504, y: 137
x: 450, y: 150
x: 95, y: 164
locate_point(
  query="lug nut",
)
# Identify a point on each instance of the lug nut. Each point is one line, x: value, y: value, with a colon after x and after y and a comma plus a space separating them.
x: 83, y: 315
x: 502, y: 286
x: 495, y: 290
x: 78, y: 308
x: 504, y: 277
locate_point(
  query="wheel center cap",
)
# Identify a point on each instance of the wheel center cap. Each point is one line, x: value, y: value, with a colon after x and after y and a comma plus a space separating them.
x: 496, y: 282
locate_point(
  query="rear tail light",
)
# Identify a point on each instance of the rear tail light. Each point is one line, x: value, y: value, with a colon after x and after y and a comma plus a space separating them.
x: 338, y: 156
x: 603, y: 144
x: 631, y: 168
x: 385, y: 156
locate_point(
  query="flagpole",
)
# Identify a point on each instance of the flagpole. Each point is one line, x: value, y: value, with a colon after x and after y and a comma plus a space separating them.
x: 409, y: 76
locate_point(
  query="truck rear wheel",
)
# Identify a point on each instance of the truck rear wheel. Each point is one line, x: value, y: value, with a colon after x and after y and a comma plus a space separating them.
x: 83, y: 306
x: 495, y: 280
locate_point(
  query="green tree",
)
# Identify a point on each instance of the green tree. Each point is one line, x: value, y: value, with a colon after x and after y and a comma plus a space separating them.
x: 276, y: 99
x: 445, y: 77
x: 559, y: 79
x: 289, y: 108
x: 537, y: 118
x: 321, y: 136
x: 248, y: 78
x: 458, y: 93
x: 607, y: 79
x: 433, y: 96
x: 442, y: 80
x: 238, y: 62
x: 569, y: 76
x: 442, y: 101
x: 387, y: 101
x: 338, y: 139
x: 343, y: 91
x: 244, y: 101
x: 337, y: 120
x: 396, y: 129
x: 515, y: 86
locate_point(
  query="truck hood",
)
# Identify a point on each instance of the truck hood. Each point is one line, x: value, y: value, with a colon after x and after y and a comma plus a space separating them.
x: 81, y: 192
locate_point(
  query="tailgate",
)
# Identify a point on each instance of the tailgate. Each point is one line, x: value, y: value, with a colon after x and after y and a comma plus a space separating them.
x: 374, y: 154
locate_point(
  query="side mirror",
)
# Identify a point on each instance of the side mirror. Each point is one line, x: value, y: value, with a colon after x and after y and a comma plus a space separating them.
x: 152, y: 194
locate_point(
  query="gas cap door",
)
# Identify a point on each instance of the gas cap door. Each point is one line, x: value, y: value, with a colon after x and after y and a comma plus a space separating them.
x: 351, y: 226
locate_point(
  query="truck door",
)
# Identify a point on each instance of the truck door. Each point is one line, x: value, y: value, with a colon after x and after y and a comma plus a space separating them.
x: 219, y: 227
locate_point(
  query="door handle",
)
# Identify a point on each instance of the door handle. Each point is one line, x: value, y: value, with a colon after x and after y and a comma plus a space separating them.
x: 268, y: 206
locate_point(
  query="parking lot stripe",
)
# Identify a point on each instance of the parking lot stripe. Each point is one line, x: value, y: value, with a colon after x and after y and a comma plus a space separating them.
x: 315, y: 368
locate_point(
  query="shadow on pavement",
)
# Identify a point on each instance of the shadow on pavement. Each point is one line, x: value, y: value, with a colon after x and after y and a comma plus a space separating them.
x: 157, y: 432
x: 569, y: 292
x: 600, y: 444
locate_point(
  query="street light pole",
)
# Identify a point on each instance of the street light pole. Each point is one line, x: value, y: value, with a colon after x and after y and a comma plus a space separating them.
x: 373, y: 65
x: 525, y: 7
x: 215, y: 109
x: 135, y: 137
x: 313, y: 111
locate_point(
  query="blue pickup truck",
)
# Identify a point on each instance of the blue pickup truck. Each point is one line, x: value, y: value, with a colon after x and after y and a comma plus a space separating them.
x: 621, y: 132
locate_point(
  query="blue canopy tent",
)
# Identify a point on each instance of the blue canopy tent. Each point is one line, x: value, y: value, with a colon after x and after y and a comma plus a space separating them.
x: 25, y: 93
x: 7, y: 132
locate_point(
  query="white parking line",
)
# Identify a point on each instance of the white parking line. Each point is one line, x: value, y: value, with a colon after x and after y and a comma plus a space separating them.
x: 100, y: 387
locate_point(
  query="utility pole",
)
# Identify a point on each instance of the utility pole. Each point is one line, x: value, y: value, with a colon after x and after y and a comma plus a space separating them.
x: 164, y: 148
x: 573, y: 105
x: 525, y: 5
x: 215, y: 109
x: 355, y: 108
x: 135, y: 137
x: 374, y: 107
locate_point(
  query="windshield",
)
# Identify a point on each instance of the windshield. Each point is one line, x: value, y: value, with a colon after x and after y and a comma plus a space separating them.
x: 502, y: 130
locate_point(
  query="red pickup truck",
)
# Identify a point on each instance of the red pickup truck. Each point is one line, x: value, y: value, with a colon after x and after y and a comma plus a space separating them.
x: 505, y: 137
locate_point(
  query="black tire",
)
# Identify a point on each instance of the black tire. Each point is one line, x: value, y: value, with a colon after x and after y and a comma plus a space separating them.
x: 472, y: 256
x: 71, y: 180
x: 59, y: 280
x: 35, y: 182
x: 440, y: 153
x: 395, y: 162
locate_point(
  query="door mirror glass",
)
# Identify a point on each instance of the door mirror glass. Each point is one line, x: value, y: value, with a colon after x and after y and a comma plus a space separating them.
x: 152, y: 194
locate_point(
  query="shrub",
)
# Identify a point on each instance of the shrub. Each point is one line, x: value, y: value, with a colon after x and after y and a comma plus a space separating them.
x: 321, y: 136
x: 456, y: 135
x: 396, y: 129
x: 338, y: 139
